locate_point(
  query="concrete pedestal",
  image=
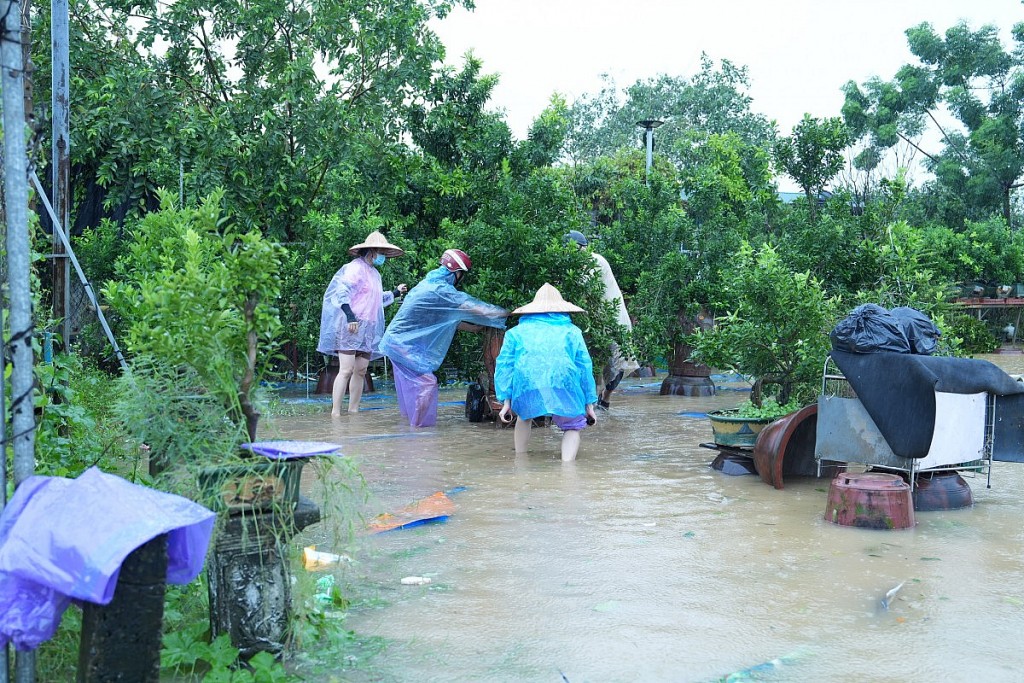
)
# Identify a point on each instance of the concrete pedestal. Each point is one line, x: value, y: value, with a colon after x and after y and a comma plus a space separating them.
x: 250, y: 580
x: 121, y: 641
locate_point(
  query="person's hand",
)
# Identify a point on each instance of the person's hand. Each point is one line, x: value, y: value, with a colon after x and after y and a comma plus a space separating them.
x: 505, y: 414
x: 353, y: 327
x: 402, y: 289
x: 591, y: 415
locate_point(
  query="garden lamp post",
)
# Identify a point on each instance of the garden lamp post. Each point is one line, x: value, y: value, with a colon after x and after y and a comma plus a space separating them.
x: 649, y: 125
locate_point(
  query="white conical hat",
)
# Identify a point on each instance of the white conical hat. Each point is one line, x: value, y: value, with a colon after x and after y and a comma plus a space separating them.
x: 375, y: 240
x: 548, y: 300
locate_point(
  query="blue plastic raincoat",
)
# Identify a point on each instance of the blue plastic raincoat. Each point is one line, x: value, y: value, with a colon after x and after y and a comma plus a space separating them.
x: 544, y: 368
x: 357, y: 284
x: 419, y: 335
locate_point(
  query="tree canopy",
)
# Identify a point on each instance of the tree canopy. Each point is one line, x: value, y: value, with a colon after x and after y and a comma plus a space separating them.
x: 970, y: 76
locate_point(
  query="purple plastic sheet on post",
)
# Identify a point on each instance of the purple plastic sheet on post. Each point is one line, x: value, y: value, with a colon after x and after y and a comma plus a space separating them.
x: 290, y: 450
x: 64, y: 539
x: 417, y: 395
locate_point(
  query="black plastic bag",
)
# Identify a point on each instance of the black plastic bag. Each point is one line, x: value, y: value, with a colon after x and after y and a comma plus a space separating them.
x: 921, y: 332
x: 869, y: 329
x: 476, y: 403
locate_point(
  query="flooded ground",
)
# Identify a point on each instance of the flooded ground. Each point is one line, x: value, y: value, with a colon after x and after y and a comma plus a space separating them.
x: 640, y: 562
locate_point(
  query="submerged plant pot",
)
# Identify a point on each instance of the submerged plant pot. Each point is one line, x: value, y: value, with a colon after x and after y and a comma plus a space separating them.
x: 941, y: 491
x: 685, y: 377
x: 328, y: 373
x: 734, y: 464
x: 870, y: 500
x: 730, y: 429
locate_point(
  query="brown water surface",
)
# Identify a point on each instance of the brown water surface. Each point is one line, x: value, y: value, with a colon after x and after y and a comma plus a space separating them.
x: 639, y: 562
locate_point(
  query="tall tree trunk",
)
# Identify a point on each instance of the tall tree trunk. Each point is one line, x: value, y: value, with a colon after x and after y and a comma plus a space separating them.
x: 1006, y: 207
x: 812, y: 204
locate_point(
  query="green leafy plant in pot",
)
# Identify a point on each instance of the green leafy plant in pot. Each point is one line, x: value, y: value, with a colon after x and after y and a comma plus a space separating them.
x: 195, y: 302
x: 775, y: 331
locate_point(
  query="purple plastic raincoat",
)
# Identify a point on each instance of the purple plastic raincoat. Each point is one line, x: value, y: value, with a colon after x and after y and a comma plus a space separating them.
x: 64, y: 539
x: 419, y: 335
x: 357, y: 284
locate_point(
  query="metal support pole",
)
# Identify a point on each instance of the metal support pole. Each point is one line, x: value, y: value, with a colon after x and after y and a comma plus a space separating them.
x: 5, y: 650
x: 12, y: 80
x: 59, y: 231
x: 650, y: 153
x: 61, y: 162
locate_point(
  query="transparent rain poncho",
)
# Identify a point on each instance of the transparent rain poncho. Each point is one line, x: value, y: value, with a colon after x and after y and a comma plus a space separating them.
x: 65, y: 539
x: 544, y: 368
x: 421, y: 332
x: 418, y: 338
x: 357, y: 284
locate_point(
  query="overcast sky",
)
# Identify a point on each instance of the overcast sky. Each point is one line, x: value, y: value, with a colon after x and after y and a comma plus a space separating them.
x: 798, y: 52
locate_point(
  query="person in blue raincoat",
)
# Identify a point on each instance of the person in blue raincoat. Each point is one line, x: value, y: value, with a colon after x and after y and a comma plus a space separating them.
x: 544, y: 368
x: 417, y: 339
x: 352, y: 317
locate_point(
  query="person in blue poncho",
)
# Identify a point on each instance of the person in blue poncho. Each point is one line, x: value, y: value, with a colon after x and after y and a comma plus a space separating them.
x: 419, y: 335
x: 544, y: 368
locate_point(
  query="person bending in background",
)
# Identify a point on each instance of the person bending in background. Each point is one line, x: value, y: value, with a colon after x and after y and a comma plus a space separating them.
x: 417, y: 339
x: 544, y: 368
x: 616, y: 366
x: 352, y: 317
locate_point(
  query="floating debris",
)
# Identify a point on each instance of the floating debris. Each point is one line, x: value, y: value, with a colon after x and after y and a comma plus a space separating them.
x: 316, y: 559
x: 416, y: 581
x: 890, y: 594
x: 433, y: 508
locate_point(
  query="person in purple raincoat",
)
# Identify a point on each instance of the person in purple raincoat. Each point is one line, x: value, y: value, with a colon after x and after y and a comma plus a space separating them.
x: 352, y: 317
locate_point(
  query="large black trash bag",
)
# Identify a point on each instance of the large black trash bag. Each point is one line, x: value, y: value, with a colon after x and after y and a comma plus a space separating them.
x: 869, y: 329
x: 476, y: 403
x: 921, y: 332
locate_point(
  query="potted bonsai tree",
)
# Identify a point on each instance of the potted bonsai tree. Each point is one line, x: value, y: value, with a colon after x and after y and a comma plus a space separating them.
x: 672, y: 307
x: 775, y: 332
x: 195, y: 299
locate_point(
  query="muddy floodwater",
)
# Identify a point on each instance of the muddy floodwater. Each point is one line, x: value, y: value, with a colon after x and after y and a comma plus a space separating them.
x: 639, y: 562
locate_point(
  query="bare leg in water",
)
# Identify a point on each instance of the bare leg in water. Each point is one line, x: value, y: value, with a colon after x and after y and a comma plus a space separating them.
x: 570, y: 445
x: 356, y: 384
x: 521, y: 434
x: 351, y: 375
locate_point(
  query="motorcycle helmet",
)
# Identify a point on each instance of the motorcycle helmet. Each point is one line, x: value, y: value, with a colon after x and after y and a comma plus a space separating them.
x: 456, y: 260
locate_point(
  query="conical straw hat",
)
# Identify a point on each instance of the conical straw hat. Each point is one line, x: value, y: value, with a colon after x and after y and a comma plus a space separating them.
x: 548, y: 300
x: 375, y: 240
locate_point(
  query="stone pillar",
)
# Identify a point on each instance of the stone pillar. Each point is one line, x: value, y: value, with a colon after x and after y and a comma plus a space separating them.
x: 121, y: 641
x: 249, y: 580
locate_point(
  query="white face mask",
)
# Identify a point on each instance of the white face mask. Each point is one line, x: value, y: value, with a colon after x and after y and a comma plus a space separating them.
x: 379, y: 259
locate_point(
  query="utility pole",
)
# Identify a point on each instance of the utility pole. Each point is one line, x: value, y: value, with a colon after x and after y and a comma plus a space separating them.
x: 649, y: 125
x: 61, y: 165
x: 19, y: 344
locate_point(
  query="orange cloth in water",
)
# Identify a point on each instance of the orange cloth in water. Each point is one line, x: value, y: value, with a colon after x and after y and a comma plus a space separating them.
x: 435, y: 506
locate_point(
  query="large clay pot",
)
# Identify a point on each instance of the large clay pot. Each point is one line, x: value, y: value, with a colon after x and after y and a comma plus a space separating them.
x: 325, y: 380
x: 686, y: 378
x: 870, y: 500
